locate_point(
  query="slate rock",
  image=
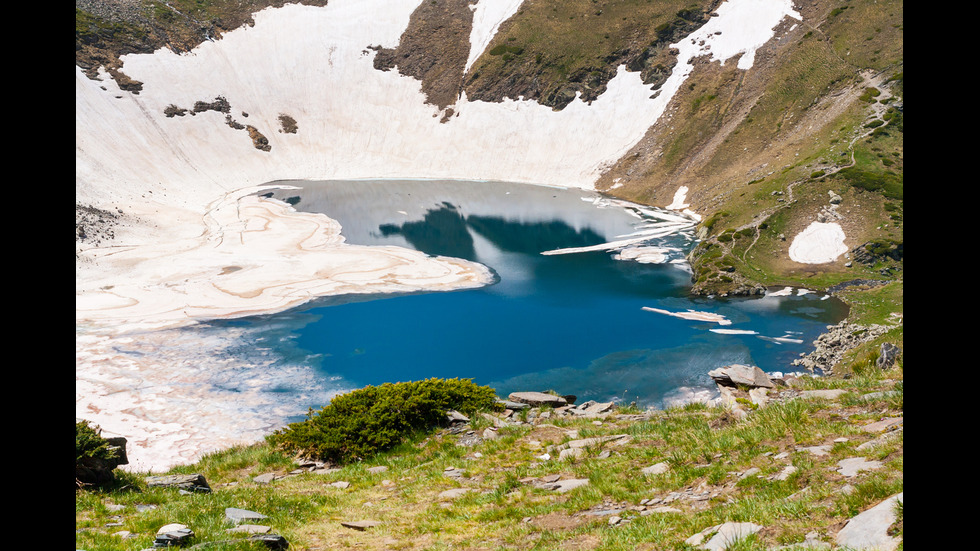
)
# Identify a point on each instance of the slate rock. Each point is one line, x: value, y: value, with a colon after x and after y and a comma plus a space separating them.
x: 537, y: 399
x: 238, y: 516
x: 724, y: 535
x: 869, y: 530
x: 739, y: 374
x: 658, y: 468
x: 563, y: 486
x: 266, y: 478
x: 854, y: 465
x: 271, y: 541
x: 189, y: 482
x: 173, y: 535
x: 360, y: 525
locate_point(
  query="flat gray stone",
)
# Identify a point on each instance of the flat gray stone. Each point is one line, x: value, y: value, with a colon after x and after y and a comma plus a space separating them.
x: 361, y: 525
x: 239, y: 516
x: 785, y: 473
x: 852, y: 466
x: 818, y: 451
x: 827, y: 394
x: 454, y: 493
x: 885, y: 424
x: 724, y: 535
x: 869, y: 530
x: 265, y: 478
x: 562, y: 486
x: 189, y: 482
x: 535, y: 399
x: 658, y: 468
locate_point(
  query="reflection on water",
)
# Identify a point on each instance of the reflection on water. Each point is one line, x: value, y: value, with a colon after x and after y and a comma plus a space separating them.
x: 573, y: 323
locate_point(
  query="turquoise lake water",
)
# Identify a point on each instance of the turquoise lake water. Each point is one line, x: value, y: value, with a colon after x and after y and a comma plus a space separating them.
x: 574, y: 323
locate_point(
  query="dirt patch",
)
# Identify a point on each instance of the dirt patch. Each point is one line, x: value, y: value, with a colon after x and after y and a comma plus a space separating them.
x: 560, y: 521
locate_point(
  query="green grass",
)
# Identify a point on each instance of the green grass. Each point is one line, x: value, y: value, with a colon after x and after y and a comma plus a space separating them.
x: 705, y: 453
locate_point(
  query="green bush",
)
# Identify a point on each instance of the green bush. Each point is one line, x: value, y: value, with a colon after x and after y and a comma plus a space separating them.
x: 362, y: 423
x: 90, y: 444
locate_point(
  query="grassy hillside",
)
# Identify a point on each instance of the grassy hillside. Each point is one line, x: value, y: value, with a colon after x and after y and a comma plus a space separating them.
x: 779, y: 468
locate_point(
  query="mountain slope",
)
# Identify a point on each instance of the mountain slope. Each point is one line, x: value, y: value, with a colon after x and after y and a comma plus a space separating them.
x: 739, y: 140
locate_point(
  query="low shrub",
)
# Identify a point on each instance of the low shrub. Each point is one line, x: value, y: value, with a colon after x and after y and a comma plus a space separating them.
x: 365, y: 422
x: 96, y: 457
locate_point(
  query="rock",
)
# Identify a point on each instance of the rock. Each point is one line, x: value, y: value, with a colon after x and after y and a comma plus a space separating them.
x: 238, y: 516
x: 659, y: 510
x: 571, y: 454
x: 271, y: 541
x: 738, y: 374
x: 888, y: 355
x: 454, y: 493
x: 869, y: 530
x: 173, y: 535
x: 885, y: 424
x: 265, y: 478
x: 724, y: 535
x: 829, y: 394
x: 659, y: 468
x: 563, y: 486
x: 785, y: 473
x: 189, y: 482
x: 361, y: 525
x: 818, y: 451
x: 537, y: 399
x: 852, y: 466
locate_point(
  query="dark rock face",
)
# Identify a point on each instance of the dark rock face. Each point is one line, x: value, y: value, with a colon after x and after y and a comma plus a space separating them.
x: 889, y: 355
x: 433, y: 49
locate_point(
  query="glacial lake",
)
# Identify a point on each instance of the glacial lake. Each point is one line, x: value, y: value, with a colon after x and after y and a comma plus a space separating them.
x: 589, y: 323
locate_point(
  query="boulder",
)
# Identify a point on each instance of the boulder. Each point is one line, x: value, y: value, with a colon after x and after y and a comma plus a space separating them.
x: 889, y: 354
x: 738, y: 374
x: 869, y: 530
x: 537, y: 399
x: 189, y: 482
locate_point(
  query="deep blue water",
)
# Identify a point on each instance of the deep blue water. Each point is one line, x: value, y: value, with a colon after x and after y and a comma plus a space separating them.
x: 572, y: 323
